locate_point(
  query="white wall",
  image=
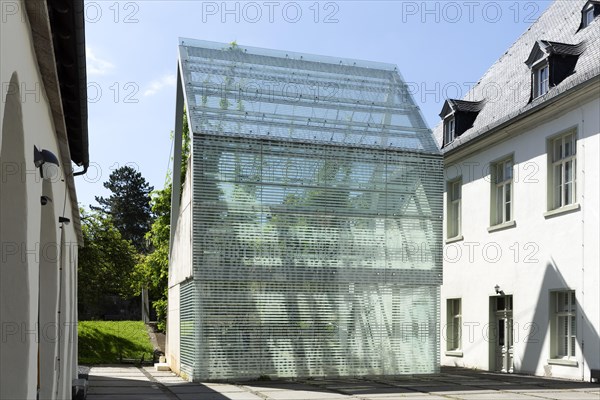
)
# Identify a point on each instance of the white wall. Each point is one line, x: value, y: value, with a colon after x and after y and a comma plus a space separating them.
x: 180, y: 269
x: 38, y: 244
x: 537, y: 255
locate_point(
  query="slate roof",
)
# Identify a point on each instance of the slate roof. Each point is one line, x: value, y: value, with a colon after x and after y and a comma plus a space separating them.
x: 506, y: 86
x: 461, y: 106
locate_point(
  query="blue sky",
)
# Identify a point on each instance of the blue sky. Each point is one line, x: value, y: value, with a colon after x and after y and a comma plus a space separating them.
x: 441, y: 47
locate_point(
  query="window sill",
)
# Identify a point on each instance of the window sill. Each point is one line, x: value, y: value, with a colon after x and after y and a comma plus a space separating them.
x: 562, y: 210
x: 454, y: 353
x: 454, y: 239
x: 560, y: 361
x: 502, y: 226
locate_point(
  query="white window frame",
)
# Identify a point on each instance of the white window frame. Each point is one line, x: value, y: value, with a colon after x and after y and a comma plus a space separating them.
x: 502, y: 191
x: 563, y: 158
x: 454, y: 324
x: 454, y: 213
x: 541, y: 82
x: 565, y: 325
x: 449, y: 129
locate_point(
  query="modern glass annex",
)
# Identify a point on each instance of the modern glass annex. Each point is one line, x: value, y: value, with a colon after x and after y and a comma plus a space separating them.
x: 316, y: 218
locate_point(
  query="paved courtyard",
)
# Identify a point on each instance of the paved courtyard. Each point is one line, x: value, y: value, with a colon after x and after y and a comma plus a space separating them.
x: 131, y: 383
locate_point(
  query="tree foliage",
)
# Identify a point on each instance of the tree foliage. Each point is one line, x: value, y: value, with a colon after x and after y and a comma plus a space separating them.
x: 106, y: 263
x: 128, y: 205
x: 153, y: 270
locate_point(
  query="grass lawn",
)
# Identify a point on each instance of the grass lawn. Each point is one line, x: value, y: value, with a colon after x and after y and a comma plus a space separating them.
x: 106, y: 342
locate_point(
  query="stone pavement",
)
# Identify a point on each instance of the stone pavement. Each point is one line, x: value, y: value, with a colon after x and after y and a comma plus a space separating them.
x: 131, y: 383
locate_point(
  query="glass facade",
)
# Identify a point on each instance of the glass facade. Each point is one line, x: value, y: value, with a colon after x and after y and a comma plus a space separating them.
x: 317, y: 204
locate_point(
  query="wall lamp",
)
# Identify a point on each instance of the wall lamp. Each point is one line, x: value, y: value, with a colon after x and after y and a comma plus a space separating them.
x: 498, y: 290
x: 47, y: 162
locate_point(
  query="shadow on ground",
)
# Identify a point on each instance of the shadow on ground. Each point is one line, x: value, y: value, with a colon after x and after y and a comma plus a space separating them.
x: 131, y: 383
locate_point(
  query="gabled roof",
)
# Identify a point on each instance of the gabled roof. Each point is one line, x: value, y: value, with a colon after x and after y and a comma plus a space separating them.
x: 264, y: 94
x: 542, y: 48
x: 509, y: 78
x: 453, y: 105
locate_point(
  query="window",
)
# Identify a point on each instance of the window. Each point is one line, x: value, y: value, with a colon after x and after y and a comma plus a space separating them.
x: 589, y: 12
x: 541, y: 76
x: 454, y: 324
x: 562, y: 170
x: 564, y: 331
x: 502, y: 192
x: 449, y: 129
x: 454, y: 212
x: 589, y: 16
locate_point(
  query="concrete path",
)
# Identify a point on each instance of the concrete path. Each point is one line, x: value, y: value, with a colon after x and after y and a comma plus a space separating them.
x: 131, y: 383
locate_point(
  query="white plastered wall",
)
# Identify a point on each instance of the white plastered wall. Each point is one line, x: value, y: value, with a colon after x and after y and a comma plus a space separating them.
x: 39, y: 246
x: 538, y: 255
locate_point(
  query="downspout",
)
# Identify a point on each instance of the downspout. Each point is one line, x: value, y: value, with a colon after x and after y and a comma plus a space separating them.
x: 58, y: 354
x: 582, y: 186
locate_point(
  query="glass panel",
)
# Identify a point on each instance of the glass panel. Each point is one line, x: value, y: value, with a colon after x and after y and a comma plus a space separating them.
x: 573, y: 302
x: 573, y: 343
x: 508, y: 169
x: 499, y: 173
x: 568, y: 194
x: 558, y: 149
x: 501, y: 332
x: 569, y: 171
x: 558, y: 180
x: 500, y: 303
x: 299, y: 199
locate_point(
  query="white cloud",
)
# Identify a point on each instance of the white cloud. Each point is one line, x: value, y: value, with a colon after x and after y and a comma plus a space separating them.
x: 157, y: 85
x: 96, y: 65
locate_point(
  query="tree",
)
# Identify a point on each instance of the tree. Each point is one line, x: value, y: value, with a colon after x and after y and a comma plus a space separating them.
x: 106, y: 263
x: 128, y: 205
x: 153, y: 270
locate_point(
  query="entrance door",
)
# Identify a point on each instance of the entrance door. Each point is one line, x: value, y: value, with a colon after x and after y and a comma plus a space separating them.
x: 503, y: 346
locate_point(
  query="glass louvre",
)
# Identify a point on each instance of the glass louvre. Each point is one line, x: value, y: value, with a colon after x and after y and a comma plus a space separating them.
x: 316, y: 217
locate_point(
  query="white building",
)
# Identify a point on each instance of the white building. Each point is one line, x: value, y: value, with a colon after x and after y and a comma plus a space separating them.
x: 521, y: 262
x: 43, y: 114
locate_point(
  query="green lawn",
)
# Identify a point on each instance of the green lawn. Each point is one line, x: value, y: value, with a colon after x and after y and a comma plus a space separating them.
x: 106, y: 342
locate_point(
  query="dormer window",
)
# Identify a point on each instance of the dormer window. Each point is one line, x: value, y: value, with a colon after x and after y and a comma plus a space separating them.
x: 541, y: 80
x: 458, y: 117
x: 589, y: 13
x: 449, y: 129
x: 550, y: 64
x: 588, y: 17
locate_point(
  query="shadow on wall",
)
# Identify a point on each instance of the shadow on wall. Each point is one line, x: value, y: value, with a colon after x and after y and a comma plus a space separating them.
x: 14, y: 274
x: 553, y: 280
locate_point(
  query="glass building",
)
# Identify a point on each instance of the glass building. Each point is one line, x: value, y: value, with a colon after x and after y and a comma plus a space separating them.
x: 314, y: 207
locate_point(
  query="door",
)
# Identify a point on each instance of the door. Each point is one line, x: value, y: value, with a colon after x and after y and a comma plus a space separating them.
x: 503, y: 343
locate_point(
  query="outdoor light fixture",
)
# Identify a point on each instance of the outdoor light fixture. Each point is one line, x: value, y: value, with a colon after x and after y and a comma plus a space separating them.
x: 498, y: 290
x: 64, y: 220
x: 45, y: 200
x: 47, y: 162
